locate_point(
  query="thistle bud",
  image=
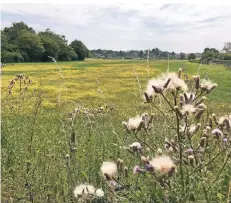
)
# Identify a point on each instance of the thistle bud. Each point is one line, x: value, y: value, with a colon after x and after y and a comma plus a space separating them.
x: 210, y: 122
x: 172, y: 170
x: 157, y: 89
x: 147, y: 97
x: 170, y: 151
x: 202, y: 142
x: 227, y: 123
x: 197, y: 81
x: 186, y: 99
x: 179, y: 72
x: 199, y: 114
x: 191, y: 159
x: 176, y: 108
x: 200, y: 101
x: 166, y: 84
x: 107, y: 177
x: 215, y: 118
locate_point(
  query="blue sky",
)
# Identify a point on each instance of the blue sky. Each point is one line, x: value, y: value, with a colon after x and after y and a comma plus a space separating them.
x: 169, y: 26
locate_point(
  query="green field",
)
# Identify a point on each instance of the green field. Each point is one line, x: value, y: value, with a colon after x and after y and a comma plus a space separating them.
x: 37, y: 133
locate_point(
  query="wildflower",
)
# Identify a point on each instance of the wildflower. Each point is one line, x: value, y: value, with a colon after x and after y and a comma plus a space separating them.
x: 162, y: 163
x: 112, y: 183
x: 133, y: 123
x: 137, y: 170
x: 145, y: 160
x: 99, y: 193
x: 109, y: 168
x: 155, y: 86
x: 188, y: 109
x: 217, y: 132
x: 190, y: 151
x: 84, y: 190
x: 175, y: 83
x: 193, y: 129
x: 135, y: 146
x: 207, y: 85
x: 197, y: 81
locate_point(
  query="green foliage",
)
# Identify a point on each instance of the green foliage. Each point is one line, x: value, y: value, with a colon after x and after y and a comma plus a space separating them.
x: 191, y: 56
x: 209, y: 54
x: 10, y: 57
x: 182, y: 56
x: 30, y: 44
x: 80, y: 49
x: 20, y: 43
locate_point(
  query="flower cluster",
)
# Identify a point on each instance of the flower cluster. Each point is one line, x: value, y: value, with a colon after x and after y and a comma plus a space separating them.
x: 23, y: 81
x: 87, y: 192
x: 137, y: 123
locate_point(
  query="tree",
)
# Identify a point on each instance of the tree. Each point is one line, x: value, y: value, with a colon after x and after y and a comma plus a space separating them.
x: 80, y: 49
x: 182, y: 56
x: 29, y: 44
x: 210, y: 53
x: 141, y: 54
x: 191, y: 56
x: 227, y: 47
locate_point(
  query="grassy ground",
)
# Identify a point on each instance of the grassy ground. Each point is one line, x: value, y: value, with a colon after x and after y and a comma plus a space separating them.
x: 37, y: 134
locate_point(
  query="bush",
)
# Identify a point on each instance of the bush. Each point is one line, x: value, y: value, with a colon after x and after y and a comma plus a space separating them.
x: 9, y: 57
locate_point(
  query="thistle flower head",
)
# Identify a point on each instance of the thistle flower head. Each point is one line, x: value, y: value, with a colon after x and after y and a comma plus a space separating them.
x: 188, y: 109
x: 207, y: 85
x: 155, y: 82
x: 99, y: 193
x: 134, y: 123
x: 135, y: 146
x: 137, y: 170
x: 217, y: 132
x: 109, y: 168
x: 84, y: 190
x: 176, y: 83
x: 162, y: 164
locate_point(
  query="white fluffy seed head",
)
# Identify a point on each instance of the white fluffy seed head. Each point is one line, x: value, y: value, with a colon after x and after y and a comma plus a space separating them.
x: 84, y: 189
x: 99, y: 193
x: 188, y: 109
x: 162, y: 163
x: 109, y: 168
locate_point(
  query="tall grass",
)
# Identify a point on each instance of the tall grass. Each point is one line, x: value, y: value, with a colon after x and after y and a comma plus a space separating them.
x: 51, y: 144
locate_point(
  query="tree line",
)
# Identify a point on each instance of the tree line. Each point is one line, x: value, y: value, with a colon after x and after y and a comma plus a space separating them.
x: 20, y: 43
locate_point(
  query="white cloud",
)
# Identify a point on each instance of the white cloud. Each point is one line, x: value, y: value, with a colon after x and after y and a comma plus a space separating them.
x: 124, y: 25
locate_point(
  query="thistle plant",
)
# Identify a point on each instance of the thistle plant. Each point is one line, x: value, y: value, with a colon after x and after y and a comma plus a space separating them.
x: 187, y: 160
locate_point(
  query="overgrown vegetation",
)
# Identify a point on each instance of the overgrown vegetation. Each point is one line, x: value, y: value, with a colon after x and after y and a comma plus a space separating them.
x: 61, y: 122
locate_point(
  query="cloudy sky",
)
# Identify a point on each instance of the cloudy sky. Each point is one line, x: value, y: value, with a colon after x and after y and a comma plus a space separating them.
x: 187, y: 27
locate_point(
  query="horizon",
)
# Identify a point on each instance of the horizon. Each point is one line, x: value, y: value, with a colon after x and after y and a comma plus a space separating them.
x: 119, y: 26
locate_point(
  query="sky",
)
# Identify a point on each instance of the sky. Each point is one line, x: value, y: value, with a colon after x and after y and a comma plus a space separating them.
x: 180, y: 26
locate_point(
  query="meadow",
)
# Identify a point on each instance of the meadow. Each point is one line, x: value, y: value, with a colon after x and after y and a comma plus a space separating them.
x: 58, y: 129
